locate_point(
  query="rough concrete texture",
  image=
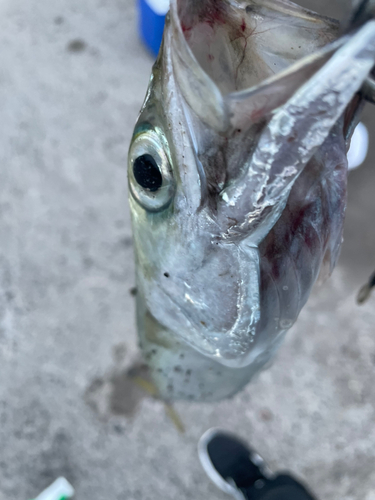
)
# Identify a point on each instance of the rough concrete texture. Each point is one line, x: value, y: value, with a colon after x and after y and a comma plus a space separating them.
x: 72, y: 78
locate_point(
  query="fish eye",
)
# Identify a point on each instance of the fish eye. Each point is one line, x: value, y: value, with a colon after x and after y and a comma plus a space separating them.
x: 146, y: 173
x: 149, y: 171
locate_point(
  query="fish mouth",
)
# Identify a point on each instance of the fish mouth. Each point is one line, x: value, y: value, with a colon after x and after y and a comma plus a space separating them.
x: 241, y: 44
x: 234, y: 58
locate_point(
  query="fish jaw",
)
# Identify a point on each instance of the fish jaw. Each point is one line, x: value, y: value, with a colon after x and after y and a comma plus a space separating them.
x: 180, y: 372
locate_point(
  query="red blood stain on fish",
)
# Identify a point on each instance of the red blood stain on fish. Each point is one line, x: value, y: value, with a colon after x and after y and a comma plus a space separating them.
x: 257, y: 114
x: 185, y: 28
x: 214, y: 13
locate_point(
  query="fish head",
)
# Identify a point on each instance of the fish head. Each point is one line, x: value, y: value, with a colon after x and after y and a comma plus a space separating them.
x: 198, y: 218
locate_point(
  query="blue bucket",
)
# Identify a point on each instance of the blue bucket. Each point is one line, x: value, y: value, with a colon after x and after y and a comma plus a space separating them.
x: 151, y: 22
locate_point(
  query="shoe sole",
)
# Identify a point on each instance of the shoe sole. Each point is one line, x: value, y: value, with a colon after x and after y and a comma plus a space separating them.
x: 210, y: 470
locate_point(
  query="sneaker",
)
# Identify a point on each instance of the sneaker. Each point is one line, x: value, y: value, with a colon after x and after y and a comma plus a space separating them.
x: 229, y: 463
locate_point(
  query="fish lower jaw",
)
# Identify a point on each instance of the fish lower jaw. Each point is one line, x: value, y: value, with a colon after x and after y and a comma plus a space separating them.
x: 234, y: 348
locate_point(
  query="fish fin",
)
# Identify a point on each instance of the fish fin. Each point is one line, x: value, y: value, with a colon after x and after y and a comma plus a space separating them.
x: 175, y: 417
x: 148, y: 386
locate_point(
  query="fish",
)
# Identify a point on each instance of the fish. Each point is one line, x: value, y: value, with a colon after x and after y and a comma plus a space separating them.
x: 237, y: 175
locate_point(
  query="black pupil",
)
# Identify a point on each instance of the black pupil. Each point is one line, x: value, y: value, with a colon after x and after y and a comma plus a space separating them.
x: 146, y: 173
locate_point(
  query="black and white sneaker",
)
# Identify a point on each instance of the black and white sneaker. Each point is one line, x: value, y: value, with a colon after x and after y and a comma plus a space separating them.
x: 230, y: 464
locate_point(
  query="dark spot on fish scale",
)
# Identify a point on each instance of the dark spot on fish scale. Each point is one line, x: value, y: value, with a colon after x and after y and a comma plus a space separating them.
x: 76, y: 46
x: 249, y: 9
x: 133, y: 291
x: 203, y: 323
x: 177, y: 369
x: 166, y: 275
x: 150, y: 354
x: 188, y: 373
x: 182, y: 356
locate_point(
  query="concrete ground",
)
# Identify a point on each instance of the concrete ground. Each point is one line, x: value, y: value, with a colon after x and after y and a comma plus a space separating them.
x: 72, y: 79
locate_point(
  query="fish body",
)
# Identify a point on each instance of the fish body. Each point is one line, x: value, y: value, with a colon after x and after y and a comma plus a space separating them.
x: 237, y: 177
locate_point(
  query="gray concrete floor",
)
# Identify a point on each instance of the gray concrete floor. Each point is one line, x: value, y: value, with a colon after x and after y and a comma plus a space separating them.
x: 72, y: 78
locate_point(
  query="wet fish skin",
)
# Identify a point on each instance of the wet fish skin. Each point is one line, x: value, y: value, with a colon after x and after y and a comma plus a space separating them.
x: 253, y: 194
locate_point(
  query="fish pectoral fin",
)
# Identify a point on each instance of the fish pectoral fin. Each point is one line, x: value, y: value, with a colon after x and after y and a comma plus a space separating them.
x: 174, y: 417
